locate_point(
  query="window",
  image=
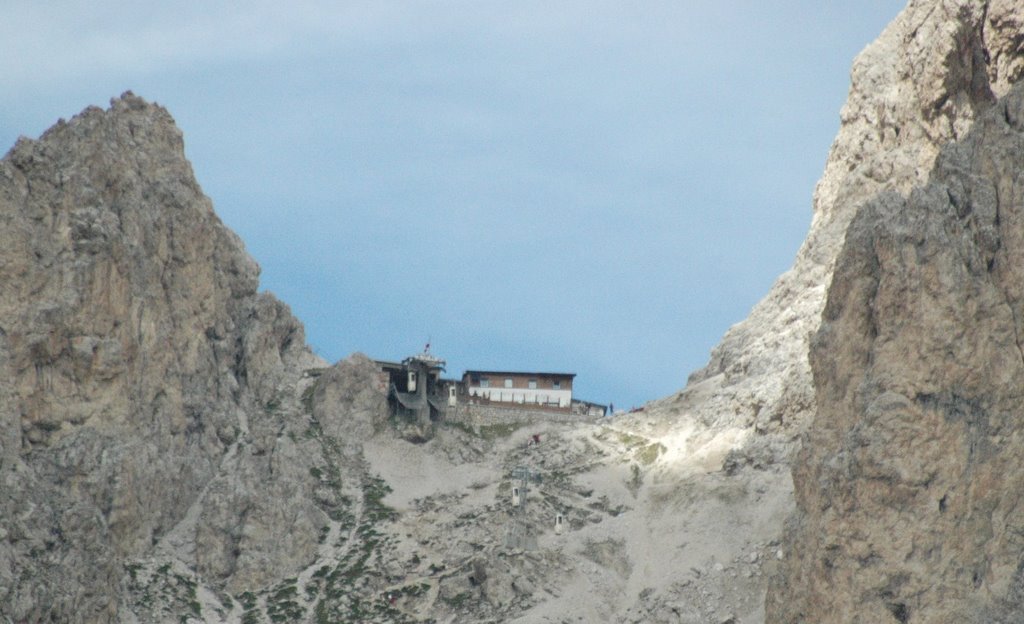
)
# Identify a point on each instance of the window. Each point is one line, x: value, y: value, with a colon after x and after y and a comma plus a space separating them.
x: 508, y: 382
x: 485, y: 382
x: 556, y: 385
x: 532, y: 384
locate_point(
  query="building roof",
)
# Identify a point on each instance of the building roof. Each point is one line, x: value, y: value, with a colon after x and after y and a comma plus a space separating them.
x: 520, y: 373
x: 425, y: 358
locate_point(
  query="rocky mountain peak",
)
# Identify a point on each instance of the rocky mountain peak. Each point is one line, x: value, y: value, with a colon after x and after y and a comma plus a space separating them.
x: 133, y: 346
x: 170, y: 450
x: 907, y: 472
x: 117, y: 249
x: 937, y: 67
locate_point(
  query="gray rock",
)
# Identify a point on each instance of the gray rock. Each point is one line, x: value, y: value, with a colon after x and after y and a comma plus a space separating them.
x: 167, y: 439
x: 135, y: 351
x: 906, y: 489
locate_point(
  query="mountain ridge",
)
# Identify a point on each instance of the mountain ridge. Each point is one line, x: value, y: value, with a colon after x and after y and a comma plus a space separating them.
x: 170, y: 448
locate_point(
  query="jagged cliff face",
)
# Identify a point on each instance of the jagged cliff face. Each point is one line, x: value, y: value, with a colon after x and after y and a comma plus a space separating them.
x: 135, y: 353
x: 938, y: 67
x: 170, y: 450
x: 919, y: 86
x: 908, y: 484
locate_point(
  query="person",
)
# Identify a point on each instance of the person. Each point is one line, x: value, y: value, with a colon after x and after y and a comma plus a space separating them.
x: 611, y: 409
x: 536, y: 438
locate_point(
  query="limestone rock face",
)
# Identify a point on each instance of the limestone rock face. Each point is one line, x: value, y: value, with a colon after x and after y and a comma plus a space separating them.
x: 170, y: 450
x: 135, y: 354
x: 919, y: 86
x: 936, y: 69
x: 908, y: 484
x: 349, y: 401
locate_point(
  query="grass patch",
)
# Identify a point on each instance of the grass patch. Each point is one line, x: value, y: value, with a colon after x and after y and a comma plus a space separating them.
x: 329, y: 474
x: 350, y: 592
x: 414, y: 590
x: 629, y: 439
x: 501, y: 430
x: 485, y: 432
x: 307, y: 398
x: 636, y: 479
x: 282, y: 605
x: 247, y: 600
x: 650, y: 453
x: 285, y: 593
x: 461, y: 426
x: 458, y: 600
x: 374, y: 491
x: 133, y: 572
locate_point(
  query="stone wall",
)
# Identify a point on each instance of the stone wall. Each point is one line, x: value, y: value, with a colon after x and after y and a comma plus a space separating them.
x: 471, y: 414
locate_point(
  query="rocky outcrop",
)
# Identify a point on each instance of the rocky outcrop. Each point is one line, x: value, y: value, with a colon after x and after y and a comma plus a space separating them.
x: 908, y: 484
x: 136, y: 356
x: 919, y: 86
x: 350, y: 399
x: 170, y: 450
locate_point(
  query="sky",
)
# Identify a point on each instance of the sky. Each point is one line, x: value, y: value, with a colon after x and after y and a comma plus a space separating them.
x: 578, y: 186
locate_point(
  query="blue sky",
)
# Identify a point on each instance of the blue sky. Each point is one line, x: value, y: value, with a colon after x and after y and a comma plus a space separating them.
x: 596, y: 187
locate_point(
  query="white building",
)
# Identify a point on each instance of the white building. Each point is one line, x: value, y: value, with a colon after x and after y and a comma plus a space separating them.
x: 541, y: 389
